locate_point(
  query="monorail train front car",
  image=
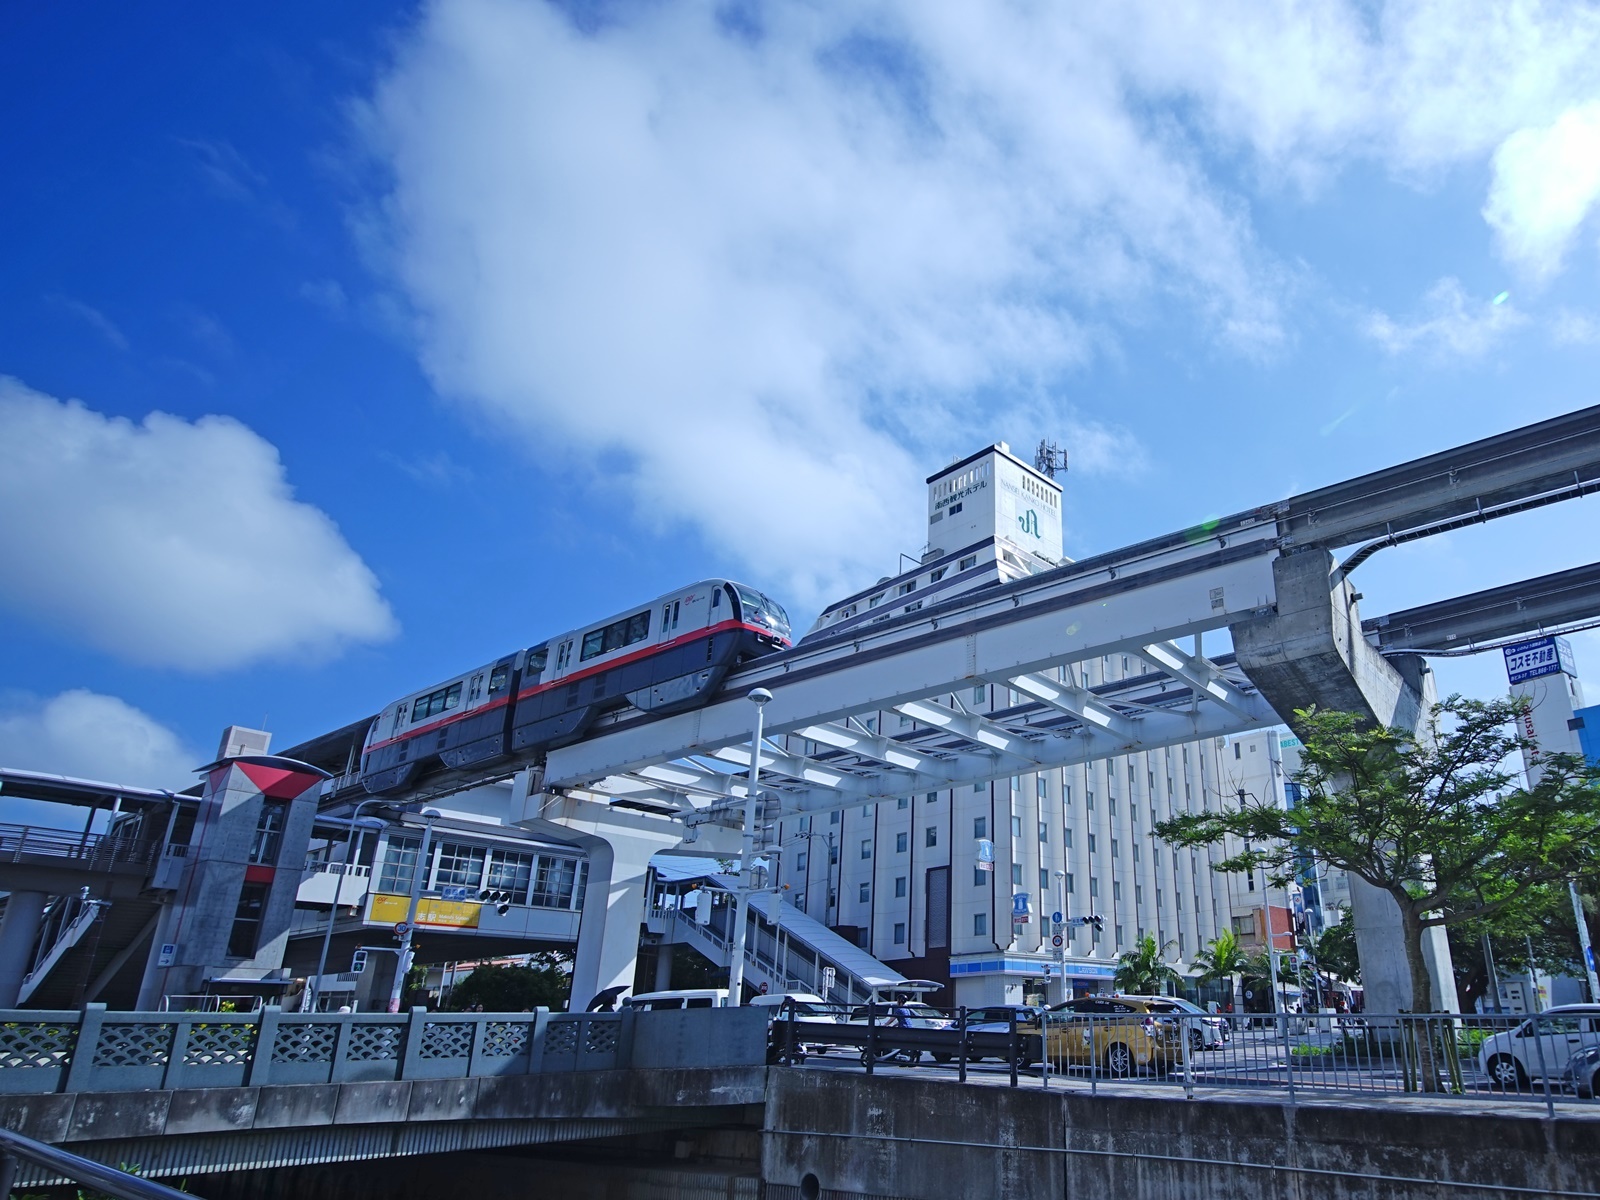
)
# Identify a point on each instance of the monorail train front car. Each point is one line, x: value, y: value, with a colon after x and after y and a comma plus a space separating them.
x: 663, y: 657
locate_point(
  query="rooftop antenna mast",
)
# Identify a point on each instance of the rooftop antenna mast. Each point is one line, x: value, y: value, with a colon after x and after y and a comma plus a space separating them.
x: 1049, y: 458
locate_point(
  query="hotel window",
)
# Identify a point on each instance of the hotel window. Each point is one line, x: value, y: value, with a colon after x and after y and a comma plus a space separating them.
x: 1016, y: 874
x: 1044, y: 884
x: 1044, y: 832
x: 899, y: 887
x: 1016, y: 827
x: 980, y: 827
x: 1066, y: 838
x: 865, y: 893
x: 980, y: 877
x: 980, y: 924
x: 931, y: 837
x: 899, y: 933
x: 866, y: 847
x: 900, y: 842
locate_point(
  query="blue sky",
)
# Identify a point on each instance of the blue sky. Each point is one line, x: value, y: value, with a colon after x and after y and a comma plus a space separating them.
x: 466, y: 323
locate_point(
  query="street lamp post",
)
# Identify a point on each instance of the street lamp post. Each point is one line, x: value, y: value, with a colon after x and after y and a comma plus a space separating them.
x: 1061, y: 951
x: 403, y: 963
x: 357, y: 824
x: 741, y: 920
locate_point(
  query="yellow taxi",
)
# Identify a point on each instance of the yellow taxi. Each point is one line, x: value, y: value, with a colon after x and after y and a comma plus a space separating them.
x: 1118, y: 1034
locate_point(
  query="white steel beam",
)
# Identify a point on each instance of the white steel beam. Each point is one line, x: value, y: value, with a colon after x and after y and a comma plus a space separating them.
x: 1076, y: 701
x: 870, y: 745
x: 1199, y: 673
x: 1027, y: 629
x: 981, y: 731
x: 795, y: 766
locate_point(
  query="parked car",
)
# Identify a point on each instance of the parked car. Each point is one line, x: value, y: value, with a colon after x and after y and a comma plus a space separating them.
x: 997, y: 1019
x: 1207, y: 1031
x: 906, y: 1014
x: 1583, y: 1072
x: 809, y: 1010
x: 684, y: 998
x: 1118, y: 1034
x: 1541, y: 1047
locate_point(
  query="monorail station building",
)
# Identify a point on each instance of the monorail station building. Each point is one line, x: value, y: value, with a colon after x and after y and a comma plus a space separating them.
x: 960, y: 886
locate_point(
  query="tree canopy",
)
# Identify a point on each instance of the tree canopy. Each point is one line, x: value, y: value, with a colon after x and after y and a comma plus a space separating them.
x: 546, y: 982
x: 1433, y: 819
x: 1142, y: 971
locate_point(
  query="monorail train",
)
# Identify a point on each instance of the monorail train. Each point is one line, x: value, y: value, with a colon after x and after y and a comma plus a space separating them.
x: 665, y: 656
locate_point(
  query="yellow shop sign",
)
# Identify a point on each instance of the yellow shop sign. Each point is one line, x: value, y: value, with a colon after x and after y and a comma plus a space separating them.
x: 447, y: 914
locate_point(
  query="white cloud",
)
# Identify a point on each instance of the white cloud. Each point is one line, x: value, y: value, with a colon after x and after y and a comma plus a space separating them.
x: 1546, y: 183
x: 90, y: 736
x: 1452, y: 324
x: 94, y: 318
x: 798, y: 252
x: 170, y: 543
x: 772, y: 274
x: 1575, y: 329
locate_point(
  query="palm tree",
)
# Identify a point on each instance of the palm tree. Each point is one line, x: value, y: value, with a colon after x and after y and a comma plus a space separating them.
x: 1221, y: 958
x: 1142, y: 971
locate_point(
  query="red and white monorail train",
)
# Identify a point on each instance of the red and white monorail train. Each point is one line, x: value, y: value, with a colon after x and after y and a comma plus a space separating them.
x: 668, y: 655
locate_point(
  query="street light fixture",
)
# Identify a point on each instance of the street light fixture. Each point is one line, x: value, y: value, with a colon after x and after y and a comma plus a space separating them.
x: 759, y: 697
x: 403, y: 965
x: 357, y: 823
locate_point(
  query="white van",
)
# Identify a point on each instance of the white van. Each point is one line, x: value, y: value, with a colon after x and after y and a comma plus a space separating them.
x: 688, y: 998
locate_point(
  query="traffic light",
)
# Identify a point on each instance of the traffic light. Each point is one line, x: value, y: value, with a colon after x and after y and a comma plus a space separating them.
x: 500, y: 900
x: 1098, y: 922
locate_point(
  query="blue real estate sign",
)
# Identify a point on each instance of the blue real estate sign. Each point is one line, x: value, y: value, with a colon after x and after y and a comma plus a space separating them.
x: 1541, y: 656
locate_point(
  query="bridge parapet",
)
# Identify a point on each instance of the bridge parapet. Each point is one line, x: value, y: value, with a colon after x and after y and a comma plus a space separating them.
x: 99, y: 1051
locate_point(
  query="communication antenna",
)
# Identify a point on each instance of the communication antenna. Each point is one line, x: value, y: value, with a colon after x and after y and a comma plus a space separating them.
x: 1049, y: 458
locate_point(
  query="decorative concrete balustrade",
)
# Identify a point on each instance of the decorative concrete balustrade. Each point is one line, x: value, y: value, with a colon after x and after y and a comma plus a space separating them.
x: 99, y: 1051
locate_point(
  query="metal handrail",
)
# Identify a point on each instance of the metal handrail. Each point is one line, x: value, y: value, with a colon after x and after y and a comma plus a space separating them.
x: 113, y: 1182
x: 16, y: 841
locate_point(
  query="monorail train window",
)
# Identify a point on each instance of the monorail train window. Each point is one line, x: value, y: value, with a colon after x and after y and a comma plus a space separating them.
x: 498, y: 679
x: 615, y: 636
x: 763, y: 610
x: 564, y: 656
x: 435, y: 703
x: 536, y: 661
x: 669, y: 615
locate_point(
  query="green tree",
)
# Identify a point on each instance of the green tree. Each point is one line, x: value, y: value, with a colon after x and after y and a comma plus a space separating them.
x: 1220, y: 959
x: 546, y: 982
x: 1142, y: 971
x: 1433, y: 819
x: 1336, y: 951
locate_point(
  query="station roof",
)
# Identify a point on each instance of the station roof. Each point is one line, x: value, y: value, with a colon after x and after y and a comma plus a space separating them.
x: 86, y: 793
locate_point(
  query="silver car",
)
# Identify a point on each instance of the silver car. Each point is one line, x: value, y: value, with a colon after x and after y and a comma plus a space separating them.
x: 1541, y: 1047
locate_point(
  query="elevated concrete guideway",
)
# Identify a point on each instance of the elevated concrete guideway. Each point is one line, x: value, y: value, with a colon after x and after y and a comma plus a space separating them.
x: 1267, y: 575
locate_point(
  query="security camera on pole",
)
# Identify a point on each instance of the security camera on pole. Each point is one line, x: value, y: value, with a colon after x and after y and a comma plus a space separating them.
x: 747, y: 867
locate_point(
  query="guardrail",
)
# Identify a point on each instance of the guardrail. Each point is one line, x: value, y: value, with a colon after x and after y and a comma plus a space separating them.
x: 118, y: 1184
x: 99, y: 1051
x: 1543, y: 1058
x: 20, y: 843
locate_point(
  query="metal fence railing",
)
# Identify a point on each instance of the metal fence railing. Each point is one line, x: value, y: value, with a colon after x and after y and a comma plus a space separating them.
x: 1551, y: 1057
x: 97, y: 851
x: 94, y: 1050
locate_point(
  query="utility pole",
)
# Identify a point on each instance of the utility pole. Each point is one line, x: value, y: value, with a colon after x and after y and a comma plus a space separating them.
x: 403, y: 959
x: 747, y: 868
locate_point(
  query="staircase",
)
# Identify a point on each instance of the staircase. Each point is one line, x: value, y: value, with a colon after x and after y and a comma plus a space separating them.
x: 791, y: 955
x: 90, y: 953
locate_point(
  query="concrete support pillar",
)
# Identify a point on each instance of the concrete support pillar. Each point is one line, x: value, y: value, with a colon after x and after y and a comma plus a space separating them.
x: 1310, y: 651
x: 619, y: 846
x: 18, y: 933
x: 664, y: 955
